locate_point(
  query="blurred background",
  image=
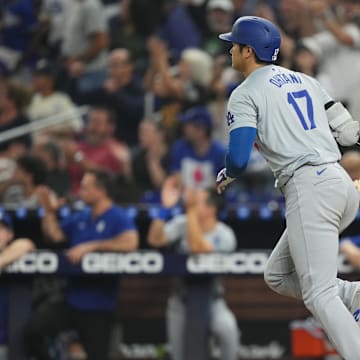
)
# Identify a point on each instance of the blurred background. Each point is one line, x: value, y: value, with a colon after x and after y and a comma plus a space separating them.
x: 138, y: 89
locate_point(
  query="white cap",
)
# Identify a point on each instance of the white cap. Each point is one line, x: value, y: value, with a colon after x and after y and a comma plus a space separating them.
x: 225, y: 5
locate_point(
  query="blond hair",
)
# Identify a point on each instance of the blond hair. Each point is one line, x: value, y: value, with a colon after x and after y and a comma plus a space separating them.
x: 201, y: 65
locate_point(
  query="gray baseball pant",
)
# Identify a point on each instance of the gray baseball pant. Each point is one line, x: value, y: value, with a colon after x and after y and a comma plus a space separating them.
x: 222, y: 325
x: 319, y: 205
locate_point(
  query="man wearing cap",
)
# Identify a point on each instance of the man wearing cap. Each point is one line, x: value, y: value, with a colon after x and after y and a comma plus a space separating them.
x: 10, y: 250
x: 196, y: 157
x: 219, y: 18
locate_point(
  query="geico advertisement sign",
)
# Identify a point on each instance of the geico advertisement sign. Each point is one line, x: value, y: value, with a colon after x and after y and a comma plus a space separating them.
x: 242, y: 263
x: 272, y: 350
x: 130, y: 263
x: 42, y: 262
x: 236, y: 263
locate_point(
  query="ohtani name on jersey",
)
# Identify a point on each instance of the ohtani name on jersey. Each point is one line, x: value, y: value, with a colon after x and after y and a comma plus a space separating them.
x: 282, y: 79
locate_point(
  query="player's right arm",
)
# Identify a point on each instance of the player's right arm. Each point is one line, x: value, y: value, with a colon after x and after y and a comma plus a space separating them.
x: 240, y: 145
x: 241, y: 141
x: 242, y: 122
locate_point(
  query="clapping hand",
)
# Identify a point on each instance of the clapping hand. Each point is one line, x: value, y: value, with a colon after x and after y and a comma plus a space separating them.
x: 171, y: 192
x: 47, y: 199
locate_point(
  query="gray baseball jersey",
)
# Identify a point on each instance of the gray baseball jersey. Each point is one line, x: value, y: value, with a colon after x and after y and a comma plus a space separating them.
x: 222, y: 238
x: 295, y: 103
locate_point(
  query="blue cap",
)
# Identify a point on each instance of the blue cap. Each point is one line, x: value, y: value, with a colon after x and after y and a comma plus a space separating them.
x: 5, y: 219
x: 199, y: 115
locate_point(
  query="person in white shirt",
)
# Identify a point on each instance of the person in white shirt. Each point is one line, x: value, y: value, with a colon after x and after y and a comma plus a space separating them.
x: 47, y: 101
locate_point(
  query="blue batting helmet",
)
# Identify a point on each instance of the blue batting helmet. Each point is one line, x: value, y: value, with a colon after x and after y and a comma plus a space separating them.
x: 260, y: 34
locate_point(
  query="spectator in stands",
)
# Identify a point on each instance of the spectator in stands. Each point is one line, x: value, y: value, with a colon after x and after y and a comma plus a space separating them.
x: 123, y: 92
x: 196, y: 231
x: 303, y: 60
x: 179, y: 87
x: 57, y: 178
x: 14, y: 98
x: 336, y: 47
x: 176, y: 16
x: 296, y: 18
x: 21, y: 189
x: 21, y: 32
x: 90, y: 304
x: 219, y: 17
x: 10, y: 250
x: 164, y: 18
x: 196, y: 158
x: 53, y: 13
x: 48, y: 102
x: 123, y: 35
x: 150, y: 161
x: 98, y: 149
x: 85, y: 41
x: 351, y: 163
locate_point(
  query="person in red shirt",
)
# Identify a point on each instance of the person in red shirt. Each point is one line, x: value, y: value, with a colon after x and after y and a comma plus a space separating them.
x: 97, y: 150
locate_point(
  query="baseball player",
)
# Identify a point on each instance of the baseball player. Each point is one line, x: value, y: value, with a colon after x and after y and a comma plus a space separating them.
x: 197, y: 231
x: 295, y: 125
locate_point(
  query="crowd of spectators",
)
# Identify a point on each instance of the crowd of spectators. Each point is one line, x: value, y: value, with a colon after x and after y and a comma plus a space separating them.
x: 157, y: 70
x: 138, y: 88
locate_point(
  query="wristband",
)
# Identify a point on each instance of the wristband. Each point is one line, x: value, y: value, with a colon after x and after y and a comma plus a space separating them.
x: 161, y: 213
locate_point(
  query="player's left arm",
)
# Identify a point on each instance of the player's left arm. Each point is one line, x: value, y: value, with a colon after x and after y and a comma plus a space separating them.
x: 241, y: 141
x: 344, y: 128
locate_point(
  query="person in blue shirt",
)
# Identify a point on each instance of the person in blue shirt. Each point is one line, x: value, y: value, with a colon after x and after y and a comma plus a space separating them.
x: 196, y: 158
x: 89, y: 304
x: 20, y: 33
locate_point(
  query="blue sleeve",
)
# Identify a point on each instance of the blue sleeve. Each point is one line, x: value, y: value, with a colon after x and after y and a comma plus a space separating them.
x: 124, y: 222
x: 240, y: 145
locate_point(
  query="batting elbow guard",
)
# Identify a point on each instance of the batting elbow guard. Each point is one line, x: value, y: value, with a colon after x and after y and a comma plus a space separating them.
x: 345, y: 129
